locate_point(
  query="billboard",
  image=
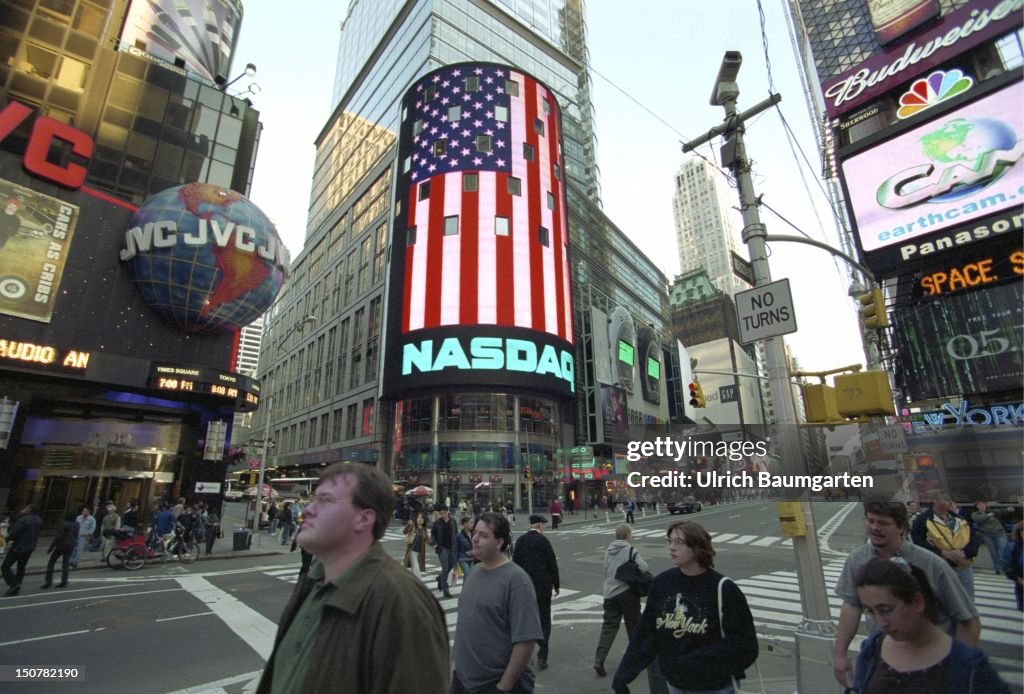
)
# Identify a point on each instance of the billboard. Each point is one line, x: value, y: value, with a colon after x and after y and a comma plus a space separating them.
x: 946, y: 183
x: 963, y: 344
x: 957, y: 32
x: 479, y: 291
x: 35, y: 235
x: 199, y: 33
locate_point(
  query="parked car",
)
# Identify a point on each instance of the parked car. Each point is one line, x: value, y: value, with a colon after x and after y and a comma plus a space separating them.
x: 687, y: 504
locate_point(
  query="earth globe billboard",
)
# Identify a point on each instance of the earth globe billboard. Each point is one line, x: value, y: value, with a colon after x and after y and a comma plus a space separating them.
x: 205, y: 258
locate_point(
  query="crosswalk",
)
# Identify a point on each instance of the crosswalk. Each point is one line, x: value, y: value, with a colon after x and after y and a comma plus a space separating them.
x: 717, y: 538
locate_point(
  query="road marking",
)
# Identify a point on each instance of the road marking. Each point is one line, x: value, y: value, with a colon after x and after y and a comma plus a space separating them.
x: 219, y: 685
x: 765, y: 542
x: 89, y: 597
x: 723, y: 537
x: 185, y: 616
x: 43, y: 638
x: 252, y: 627
x: 742, y: 539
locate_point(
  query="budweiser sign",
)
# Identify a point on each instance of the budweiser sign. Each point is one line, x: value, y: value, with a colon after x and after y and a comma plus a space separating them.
x: 953, y: 34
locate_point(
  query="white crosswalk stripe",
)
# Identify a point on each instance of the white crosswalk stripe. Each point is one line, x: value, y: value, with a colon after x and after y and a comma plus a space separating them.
x: 718, y: 538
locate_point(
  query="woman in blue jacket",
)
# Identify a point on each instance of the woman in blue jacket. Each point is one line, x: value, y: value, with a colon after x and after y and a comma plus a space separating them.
x: 909, y: 652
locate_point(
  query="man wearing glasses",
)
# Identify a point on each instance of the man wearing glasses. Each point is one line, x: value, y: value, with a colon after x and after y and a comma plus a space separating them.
x: 350, y: 622
x: 886, y: 523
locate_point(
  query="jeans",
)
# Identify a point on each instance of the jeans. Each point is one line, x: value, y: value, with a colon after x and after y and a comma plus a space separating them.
x: 465, y: 565
x: 76, y: 554
x: 286, y: 533
x: 996, y: 543
x: 273, y: 526
x: 444, y: 558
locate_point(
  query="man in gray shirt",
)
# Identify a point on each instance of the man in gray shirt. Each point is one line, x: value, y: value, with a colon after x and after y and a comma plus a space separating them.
x: 886, y: 524
x: 498, y: 622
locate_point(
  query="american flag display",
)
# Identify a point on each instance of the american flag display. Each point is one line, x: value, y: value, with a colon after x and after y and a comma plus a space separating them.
x: 481, y: 238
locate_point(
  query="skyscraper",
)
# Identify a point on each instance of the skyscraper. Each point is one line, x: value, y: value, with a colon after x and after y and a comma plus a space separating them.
x: 706, y: 232
x: 324, y: 384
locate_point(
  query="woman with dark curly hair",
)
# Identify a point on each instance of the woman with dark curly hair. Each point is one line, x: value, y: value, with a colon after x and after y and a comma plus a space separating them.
x: 416, y: 538
x: 910, y: 653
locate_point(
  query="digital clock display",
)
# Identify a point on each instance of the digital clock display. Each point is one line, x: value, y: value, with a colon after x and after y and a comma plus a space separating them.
x: 238, y: 388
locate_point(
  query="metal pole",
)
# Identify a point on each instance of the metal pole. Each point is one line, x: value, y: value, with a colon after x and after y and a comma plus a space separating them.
x: 263, y: 469
x: 816, y: 631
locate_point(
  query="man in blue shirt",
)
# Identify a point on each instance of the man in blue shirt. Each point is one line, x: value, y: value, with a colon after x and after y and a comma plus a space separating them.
x: 164, y: 523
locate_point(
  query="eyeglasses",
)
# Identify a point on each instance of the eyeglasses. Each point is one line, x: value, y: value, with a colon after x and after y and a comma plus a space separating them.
x: 326, y: 499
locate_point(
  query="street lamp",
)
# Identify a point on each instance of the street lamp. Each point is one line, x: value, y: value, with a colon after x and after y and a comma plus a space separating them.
x: 223, y: 84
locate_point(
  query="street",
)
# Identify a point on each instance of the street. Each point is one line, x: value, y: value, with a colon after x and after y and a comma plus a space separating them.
x: 208, y: 627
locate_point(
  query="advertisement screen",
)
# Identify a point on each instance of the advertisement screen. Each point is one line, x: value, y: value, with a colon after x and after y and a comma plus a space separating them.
x: 952, y: 181
x: 35, y: 235
x: 479, y: 290
x: 625, y: 352
x: 653, y: 368
x: 963, y: 344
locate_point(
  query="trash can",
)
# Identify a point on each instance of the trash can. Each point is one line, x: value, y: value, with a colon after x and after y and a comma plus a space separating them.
x: 241, y: 539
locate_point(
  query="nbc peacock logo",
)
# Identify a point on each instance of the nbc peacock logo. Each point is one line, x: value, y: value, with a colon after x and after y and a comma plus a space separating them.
x: 932, y: 90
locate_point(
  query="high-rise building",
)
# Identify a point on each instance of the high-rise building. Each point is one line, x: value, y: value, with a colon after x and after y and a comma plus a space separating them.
x: 118, y: 357
x: 706, y: 229
x: 325, y: 383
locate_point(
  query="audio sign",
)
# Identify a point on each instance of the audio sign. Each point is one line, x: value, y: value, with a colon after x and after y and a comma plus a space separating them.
x: 43, y: 356
x: 242, y: 390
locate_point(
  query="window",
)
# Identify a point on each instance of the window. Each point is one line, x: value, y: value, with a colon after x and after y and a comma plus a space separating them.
x: 406, y: 164
x: 529, y: 152
x: 511, y: 87
x: 424, y: 190
x: 558, y: 172
x: 515, y: 186
x: 472, y: 84
x: 543, y: 236
x: 410, y: 236
x: 454, y: 112
x: 428, y: 93
x: 501, y: 226
x: 538, y: 126
x: 501, y: 113
x: 551, y: 200
x: 451, y: 225
x: 470, y: 183
x: 350, y: 423
x: 440, y: 147
x: 546, y: 105
x: 483, y: 143
x: 417, y: 127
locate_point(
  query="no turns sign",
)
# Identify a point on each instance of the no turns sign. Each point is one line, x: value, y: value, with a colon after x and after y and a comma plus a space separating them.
x: 765, y: 311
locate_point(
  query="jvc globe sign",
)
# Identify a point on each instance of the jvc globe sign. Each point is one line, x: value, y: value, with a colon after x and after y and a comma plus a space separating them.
x: 766, y: 311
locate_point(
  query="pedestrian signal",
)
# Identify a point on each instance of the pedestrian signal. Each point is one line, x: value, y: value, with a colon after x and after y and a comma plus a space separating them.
x: 697, y: 395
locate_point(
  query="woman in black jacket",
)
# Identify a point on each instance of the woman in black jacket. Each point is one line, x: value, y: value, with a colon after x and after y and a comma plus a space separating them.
x: 696, y: 622
x: 61, y: 547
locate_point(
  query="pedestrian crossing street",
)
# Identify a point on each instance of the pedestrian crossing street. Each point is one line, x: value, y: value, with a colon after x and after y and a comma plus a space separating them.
x: 771, y: 597
x: 718, y: 538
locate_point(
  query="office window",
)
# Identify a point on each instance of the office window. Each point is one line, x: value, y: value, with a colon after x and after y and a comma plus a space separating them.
x: 546, y: 105
x: 417, y: 127
x: 501, y: 226
x: 472, y: 84
x: 440, y: 147
x: 410, y: 236
x: 558, y: 172
x: 451, y: 225
x: 428, y: 93
x: 470, y: 182
x: 543, y: 236
x: 538, y: 126
x: 454, y: 112
x: 424, y: 190
x: 529, y: 152
x: 483, y: 143
x: 515, y: 186
x: 511, y: 87
x: 551, y: 200
x: 501, y: 113
x: 406, y: 164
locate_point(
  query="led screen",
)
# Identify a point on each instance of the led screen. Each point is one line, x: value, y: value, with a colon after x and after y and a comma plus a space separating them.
x: 625, y: 352
x: 963, y: 344
x: 480, y: 289
x: 952, y: 181
x: 653, y: 368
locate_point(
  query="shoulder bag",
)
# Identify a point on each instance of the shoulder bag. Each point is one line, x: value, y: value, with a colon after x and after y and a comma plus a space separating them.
x: 629, y: 572
x: 721, y: 625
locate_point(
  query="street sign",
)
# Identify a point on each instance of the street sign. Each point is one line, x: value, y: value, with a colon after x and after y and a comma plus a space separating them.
x: 254, y: 464
x: 765, y: 311
x: 892, y: 440
x: 207, y: 487
x: 258, y: 443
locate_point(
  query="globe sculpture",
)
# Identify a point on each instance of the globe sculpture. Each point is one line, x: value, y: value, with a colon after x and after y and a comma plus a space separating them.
x: 205, y: 258
x: 968, y: 141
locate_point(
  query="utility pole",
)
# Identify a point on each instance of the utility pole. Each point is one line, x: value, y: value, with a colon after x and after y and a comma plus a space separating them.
x: 816, y: 631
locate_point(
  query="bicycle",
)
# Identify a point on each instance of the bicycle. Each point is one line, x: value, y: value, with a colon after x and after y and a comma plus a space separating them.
x: 185, y: 550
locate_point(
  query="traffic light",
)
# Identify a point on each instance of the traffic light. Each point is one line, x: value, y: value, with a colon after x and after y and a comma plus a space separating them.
x: 820, y: 404
x: 864, y: 393
x: 873, y: 314
x: 696, y: 395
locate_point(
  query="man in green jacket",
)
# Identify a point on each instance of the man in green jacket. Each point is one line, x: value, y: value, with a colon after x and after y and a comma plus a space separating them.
x: 358, y: 621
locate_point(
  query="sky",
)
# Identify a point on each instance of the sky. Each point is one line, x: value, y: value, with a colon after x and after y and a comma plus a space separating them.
x: 653, y: 65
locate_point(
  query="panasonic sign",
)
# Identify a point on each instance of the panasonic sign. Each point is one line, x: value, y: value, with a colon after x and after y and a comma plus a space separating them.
x: 488, y: 353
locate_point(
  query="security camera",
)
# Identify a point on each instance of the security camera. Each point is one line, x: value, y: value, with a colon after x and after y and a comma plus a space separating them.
x: 725, y: 84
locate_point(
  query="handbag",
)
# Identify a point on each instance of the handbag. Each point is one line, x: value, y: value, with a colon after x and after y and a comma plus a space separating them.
x: 630, y: 573
x: 757, y: 668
